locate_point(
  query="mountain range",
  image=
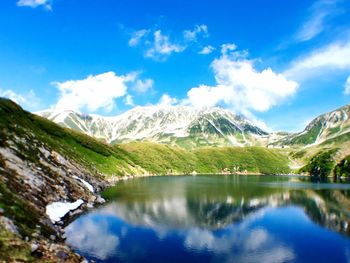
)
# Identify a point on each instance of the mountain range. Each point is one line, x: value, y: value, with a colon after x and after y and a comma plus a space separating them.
x: 180, y: 125
x: 190, y: 127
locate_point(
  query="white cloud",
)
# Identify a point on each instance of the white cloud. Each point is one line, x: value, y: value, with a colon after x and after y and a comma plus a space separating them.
x: 129, y: 100
x: 159, y: 46
x: 162, y: 47
x: 93, y: 93
x: 137, y: 36
x: 143, y: 86
x: 240, y: 86
x: 199, y: 30
x: 166, y: 100
x: 35, y: 3
x: 333, y: 56
x: 206, y: 50
x: 347, y: 86
x: 28, y: 100
x: 10, y: 94
x: 320, y: 12
x: 311, y: 28
x: 228, y: 47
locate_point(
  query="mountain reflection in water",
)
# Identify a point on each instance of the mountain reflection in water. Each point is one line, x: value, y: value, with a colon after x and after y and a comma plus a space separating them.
x: 217, y: 219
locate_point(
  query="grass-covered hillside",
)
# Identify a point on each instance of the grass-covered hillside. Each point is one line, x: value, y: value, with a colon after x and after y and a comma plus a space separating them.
x: 39, y: 164
x: 165, y: 159
x: 329, y: 158
x: 324, y: 127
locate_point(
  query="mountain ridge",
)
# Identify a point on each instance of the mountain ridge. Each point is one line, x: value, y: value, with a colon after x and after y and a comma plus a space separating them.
x: 190, y: 127
x: 178, y: 125
x: 322, y: 128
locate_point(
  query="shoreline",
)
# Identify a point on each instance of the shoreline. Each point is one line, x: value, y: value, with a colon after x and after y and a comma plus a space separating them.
x: 110, y: 182
x: 116, y: 179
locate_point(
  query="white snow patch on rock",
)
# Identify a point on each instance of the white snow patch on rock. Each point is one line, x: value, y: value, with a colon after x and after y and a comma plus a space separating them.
x: 88, y: 185
x: 57, y: 210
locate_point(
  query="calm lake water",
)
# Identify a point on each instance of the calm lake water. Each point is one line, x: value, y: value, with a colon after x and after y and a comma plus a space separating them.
x: 217, y: 219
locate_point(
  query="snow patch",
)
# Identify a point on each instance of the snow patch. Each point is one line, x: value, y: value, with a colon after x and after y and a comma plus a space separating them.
x: 57, y: 210
x: 88, y: 185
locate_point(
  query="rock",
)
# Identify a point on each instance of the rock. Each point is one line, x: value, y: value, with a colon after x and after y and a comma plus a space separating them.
x: 37, y: 253
x: 34, y: 247
x: 100, y: 200
x: 58, y: 158
x: 45, y: 152
x: 8, y: 225
x: 77, y: 212
x: 92, y: 198
x: 62, y: 255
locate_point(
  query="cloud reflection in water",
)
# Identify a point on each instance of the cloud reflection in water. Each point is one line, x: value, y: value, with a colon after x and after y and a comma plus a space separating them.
x: 92, y: 237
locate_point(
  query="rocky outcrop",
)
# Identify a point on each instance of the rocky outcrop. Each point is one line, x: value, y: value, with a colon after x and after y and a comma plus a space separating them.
x: 33, y: 176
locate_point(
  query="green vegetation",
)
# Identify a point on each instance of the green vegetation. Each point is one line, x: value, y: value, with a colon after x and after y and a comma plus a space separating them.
x: 299, y: 154
x: 327, y: 158
x: 342, y: 169
x: 165, y: 159
x: 334, y: 130
x: 309, y: 137
x: 322, y: 164
x: 12, y: 248
x: 91, y: 153
x: 237, y: 159
x: 159, y: 158
x: 17, y: 210
x: 343, y: 138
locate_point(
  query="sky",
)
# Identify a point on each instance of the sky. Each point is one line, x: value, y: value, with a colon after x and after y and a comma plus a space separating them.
x: 279, y: 63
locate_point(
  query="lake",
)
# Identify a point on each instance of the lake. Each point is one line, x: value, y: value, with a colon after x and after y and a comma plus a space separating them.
x: 217, y: 218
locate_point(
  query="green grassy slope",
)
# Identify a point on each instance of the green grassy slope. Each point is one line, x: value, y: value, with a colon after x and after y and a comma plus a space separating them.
x: 237, y: 159
x: 164, y: 159
x: 93, y: 154
x: 326, y: 159
x: 307, y: 138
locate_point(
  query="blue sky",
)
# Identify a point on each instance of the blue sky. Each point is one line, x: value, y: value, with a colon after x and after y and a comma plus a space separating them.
x: 278, y: 62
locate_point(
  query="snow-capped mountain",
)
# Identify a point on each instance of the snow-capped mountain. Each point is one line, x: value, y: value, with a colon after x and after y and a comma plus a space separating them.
x: 181, y: 125
x: 324, y: 127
